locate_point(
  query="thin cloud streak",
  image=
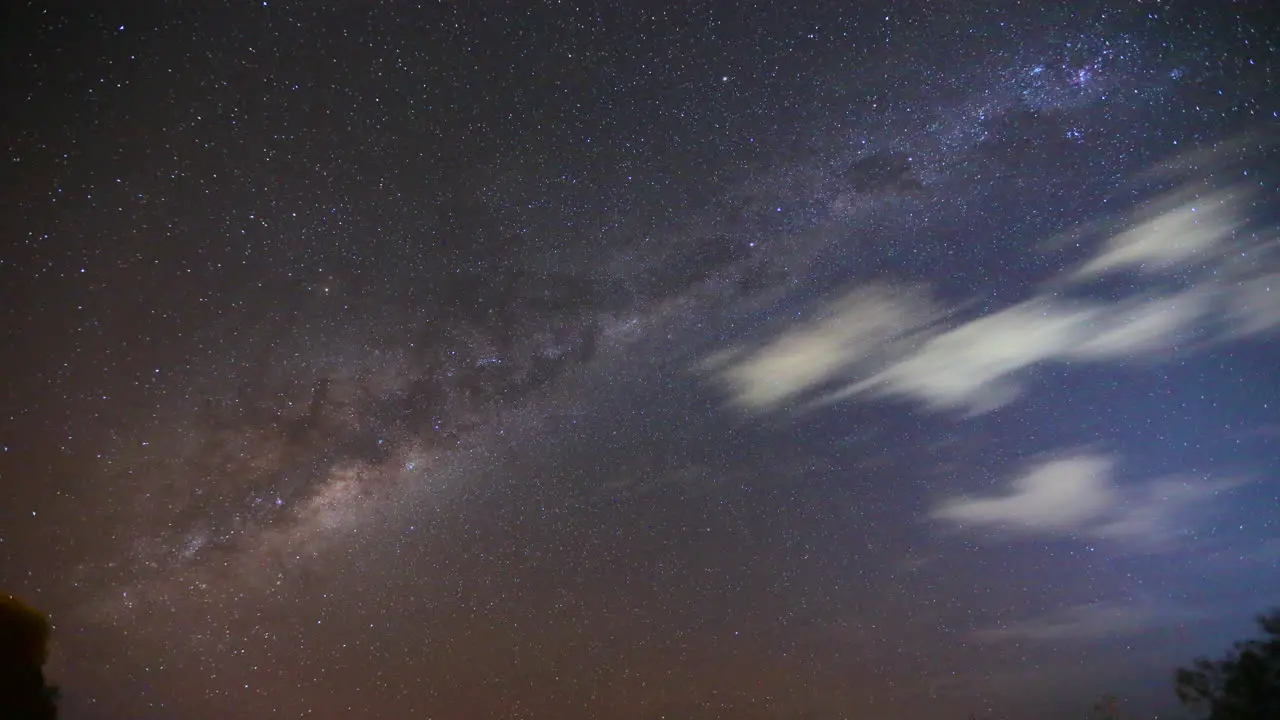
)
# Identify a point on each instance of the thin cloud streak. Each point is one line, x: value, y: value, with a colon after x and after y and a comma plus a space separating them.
x: 1090, y: 621
x: 1078, y: 496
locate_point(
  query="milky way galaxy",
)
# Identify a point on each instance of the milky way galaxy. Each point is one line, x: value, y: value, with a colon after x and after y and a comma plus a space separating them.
x: 614, y: 361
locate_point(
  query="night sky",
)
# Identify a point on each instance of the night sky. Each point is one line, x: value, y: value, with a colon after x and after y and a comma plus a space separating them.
x: 638, y: 360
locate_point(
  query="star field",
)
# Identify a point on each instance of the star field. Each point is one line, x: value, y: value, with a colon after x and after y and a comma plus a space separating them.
x: 622, y: 360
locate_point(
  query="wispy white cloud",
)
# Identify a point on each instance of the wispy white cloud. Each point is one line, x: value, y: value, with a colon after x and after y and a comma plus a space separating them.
x: 1060, y: 495
x: 1141, y: 328
x: 849, y: 332
x: 1156, y: 512
x: 1253, y: 305
x: 979, y: 366
x: 885, y: 341
x: 1090, y: 621
x: 976, y: 365
x: 1184, y: 229
x: 1077, y: 495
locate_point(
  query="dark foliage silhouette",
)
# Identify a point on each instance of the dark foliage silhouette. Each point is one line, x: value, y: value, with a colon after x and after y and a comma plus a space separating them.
x: 1243, y: 685
x: 24, y: 647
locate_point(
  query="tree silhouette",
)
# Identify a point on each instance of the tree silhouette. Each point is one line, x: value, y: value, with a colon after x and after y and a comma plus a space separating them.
x: 24, y: 647
x: 1243, y: 685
